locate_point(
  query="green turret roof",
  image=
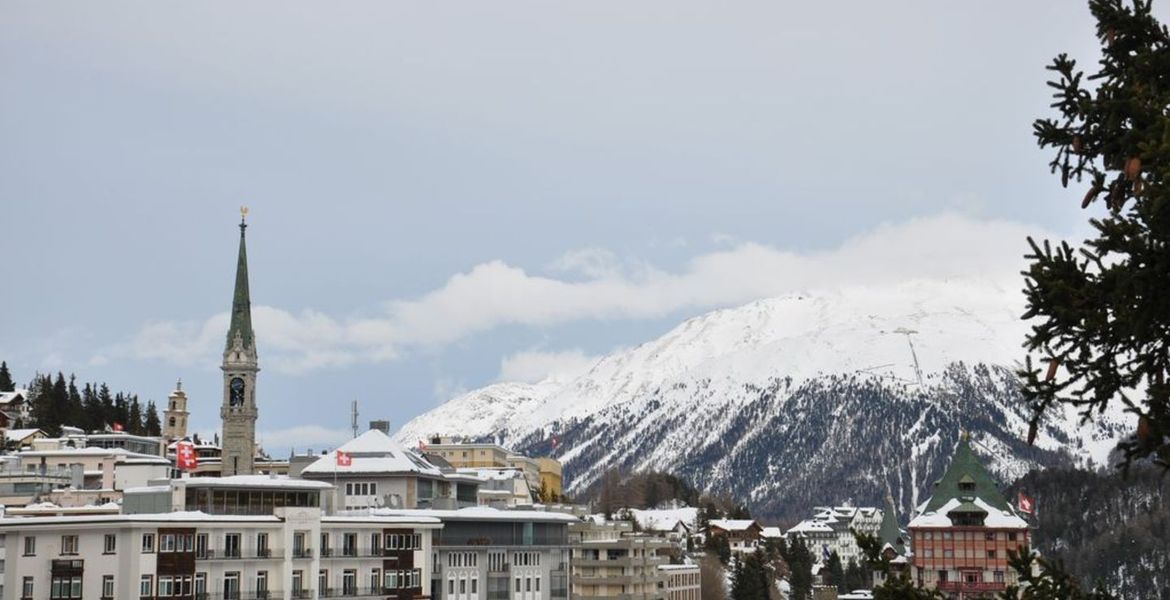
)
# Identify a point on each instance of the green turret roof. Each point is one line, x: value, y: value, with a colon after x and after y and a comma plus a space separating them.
x: 890, y: 533
x: 241, y: 300
x: 966, y: 478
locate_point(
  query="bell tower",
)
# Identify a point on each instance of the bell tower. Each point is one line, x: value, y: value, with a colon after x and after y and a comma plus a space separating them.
x: 240, y: 366
x: 175, y: 417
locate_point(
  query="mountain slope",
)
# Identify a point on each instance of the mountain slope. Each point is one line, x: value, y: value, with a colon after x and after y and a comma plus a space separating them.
x: 791, y: 401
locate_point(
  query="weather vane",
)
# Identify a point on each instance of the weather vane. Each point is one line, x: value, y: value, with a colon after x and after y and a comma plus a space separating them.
x: 243, y: 212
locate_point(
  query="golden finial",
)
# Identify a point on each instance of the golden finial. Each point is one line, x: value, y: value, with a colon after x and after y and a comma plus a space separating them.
x: 243, y: 212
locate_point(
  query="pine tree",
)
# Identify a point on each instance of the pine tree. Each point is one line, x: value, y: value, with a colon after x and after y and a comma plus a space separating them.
x: 6, y: 383
x: 93, y: 408
x: 152, y: 426
x: 836, y: 572
x: 108, y: 407
x: 133, y: 422
x: 800, y: 562
x: 74, y: 410
x: 1100, y: 311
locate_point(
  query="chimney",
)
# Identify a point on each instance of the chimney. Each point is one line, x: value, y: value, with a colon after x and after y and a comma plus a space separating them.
x: 383, y: 426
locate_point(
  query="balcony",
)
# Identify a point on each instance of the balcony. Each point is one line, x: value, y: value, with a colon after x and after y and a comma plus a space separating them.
x: 258, y: 554
x: 302, y: 553
x: 355, y: 592
x: 963, y: 586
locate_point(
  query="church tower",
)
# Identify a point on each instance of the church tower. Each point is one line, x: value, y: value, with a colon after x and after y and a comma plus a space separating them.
x: 240, y: 366
x: 175, y: 417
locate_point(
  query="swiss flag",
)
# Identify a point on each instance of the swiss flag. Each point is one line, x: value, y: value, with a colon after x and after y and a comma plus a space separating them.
x: 344, y: 459
x: 1027, y: 504
x: 422, y: 446
x: 117, y: 427
x: 185, y: 458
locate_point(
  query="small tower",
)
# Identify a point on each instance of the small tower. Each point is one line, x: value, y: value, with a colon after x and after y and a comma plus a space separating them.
x: 240, y: 366
x: 175, y: 417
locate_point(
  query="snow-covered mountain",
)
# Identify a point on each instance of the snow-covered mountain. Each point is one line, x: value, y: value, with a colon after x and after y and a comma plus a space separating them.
x: 804, y: 399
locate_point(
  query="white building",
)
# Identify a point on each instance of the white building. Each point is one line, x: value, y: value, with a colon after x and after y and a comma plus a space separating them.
x: 683, y: 582
x: 831, y: 530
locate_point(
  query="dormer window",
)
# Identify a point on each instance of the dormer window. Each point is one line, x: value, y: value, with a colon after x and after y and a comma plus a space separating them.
x: 967, y: 484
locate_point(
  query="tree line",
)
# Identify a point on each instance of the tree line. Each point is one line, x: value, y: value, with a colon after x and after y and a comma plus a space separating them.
x: 59, y: 401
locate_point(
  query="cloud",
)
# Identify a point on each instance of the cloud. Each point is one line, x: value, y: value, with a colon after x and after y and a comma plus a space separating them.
x: 495, y: 294
x: 533, y: 365
x: 303, y: 437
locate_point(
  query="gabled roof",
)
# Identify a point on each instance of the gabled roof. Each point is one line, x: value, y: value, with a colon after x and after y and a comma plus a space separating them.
x: 372, y: 452
x: 20, y: 434
x: 890, y: 534
x: 966, y: 477
x: 735, y: 524
x: 8, y: 397
x: 996, y: 518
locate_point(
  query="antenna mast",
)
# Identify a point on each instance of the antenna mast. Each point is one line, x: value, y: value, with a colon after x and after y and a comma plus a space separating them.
x: 353, y: 416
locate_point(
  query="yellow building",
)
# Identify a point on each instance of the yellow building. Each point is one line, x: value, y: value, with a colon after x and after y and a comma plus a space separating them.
x: 551, y: 475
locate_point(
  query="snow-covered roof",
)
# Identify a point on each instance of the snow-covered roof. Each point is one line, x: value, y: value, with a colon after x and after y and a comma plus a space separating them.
x: 501, y: 474
x: 89, y: 451
x: 480, y: 513
x: 372, y: 452
x: 772, y: 532
x: 666, y: 519
x: 20, y: 434
x: 733, y: 524
x: 257, y: 481
x: 811, y: 526
x: 6, y: 397
x: 996, y: 518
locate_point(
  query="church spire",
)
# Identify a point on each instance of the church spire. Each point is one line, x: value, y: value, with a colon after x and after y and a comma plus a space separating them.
x: 241, y: 324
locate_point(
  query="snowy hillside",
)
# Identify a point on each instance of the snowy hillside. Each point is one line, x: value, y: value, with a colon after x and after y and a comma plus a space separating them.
x: 859, y: 387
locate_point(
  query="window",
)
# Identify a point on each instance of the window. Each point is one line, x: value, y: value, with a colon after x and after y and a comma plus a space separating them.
x: 68, y: 544
x: 26, y: 588
x: 65, y: 586
x: 146, y: 586
x: 231, y: 545
x: 517, y: 584
x: 990, y: 536
x: 462, y: 586
x: 298, y: 581
x: 450, y: 586
x: 200, y: 583
x: 474, y: 586
x: 375, y: 579
x: 538, y: 584
x: 107, y: 586
x: 147, y: 543
x: 30, y: 545
x: 111, y: 544
x: 166, y: 542
x: 261, y: 582
x: 349, y: 582
x: 998, y: 576
x: 390, y: 580
x: 528, y: 584
x: 322, y: 581
x: 325, y: 544
x: 948, y: 553
x: 166, y: 585
x: 349, y: 544
x: 231, y: 585
x: 201, y: 545
x: 1012, y: 536
x: 262, y: 545
x: 991, y: 554
x: 375, y: 543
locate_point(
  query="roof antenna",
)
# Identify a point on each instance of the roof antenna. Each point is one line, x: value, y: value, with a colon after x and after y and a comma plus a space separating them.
x: 353, y: 417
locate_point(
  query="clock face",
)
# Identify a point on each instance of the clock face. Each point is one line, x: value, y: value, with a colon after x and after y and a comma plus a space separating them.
x: 236, y: 397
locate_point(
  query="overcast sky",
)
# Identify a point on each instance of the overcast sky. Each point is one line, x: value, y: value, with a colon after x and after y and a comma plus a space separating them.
x: 447, y: 194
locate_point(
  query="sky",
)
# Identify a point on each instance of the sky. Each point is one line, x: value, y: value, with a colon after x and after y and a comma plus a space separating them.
x: 444, y: 195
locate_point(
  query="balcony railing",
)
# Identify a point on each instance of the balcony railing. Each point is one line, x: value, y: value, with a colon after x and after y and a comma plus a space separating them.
x: 234, y: 554
x: 358, y: 592
x: 978, y: 586
x: 302, y: 553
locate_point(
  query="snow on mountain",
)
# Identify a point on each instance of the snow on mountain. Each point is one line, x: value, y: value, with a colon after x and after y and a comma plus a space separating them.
x: 750, y: 399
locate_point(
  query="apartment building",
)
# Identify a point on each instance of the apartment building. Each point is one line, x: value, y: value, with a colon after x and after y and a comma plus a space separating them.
x: 611, y: 562
x: 251, y: 539
x: 831, y: 530
x: 483, y: 553
x: 683, y: 582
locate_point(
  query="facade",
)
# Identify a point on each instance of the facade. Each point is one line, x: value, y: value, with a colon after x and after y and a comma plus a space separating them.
x: 551, y: 476
x: 488, y: 554
x: 16, y: 407
x: 240, y: 366
x: 743, y: 535
x: 381, y: 473
x: 174, y: 425
x: 610, y: 562
x: 293, y: 553
x: 683, y: 582
x: 962, y: 534
x: 501, y: 488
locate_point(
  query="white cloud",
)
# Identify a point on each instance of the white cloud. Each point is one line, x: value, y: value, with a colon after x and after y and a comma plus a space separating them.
x: 304, y: 437
x: 494, y: 294
x: 533, y: 365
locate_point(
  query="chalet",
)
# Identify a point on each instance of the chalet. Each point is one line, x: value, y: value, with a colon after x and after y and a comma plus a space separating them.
x: 743, y: 535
